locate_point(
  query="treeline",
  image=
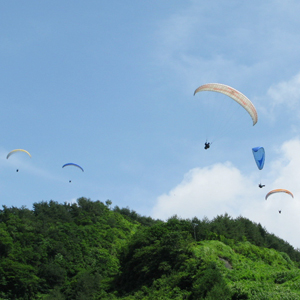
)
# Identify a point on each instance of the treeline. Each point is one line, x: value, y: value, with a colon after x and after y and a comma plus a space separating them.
x: 88, y: 250
x: 132, y: 215
x: 229, y: 231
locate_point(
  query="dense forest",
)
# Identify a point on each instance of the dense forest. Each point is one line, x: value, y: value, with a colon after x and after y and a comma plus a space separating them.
x: 91, y: 250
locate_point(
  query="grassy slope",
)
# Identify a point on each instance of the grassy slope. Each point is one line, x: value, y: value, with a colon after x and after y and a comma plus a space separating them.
x: 248, y: 271
x: 256, y: 272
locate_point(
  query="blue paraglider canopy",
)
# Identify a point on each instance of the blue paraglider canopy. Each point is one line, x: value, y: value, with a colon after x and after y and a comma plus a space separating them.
x: 259, y: 156
x: 72, y: 164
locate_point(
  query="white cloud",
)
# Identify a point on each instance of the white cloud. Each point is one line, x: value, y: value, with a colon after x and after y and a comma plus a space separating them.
x: 286, y: 93
x: 220, y: 188
x: 281, y: 103
x: 204, y: 192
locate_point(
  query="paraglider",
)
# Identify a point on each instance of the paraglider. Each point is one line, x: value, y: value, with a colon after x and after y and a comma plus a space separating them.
x: 279, y: 191
x: 233, y: 94
x: 220, y: 112
x: 74, y: 165
x: 259, y: 157
x: 17, y: 150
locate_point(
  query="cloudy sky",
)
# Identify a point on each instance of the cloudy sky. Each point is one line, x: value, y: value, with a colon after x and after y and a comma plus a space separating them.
x: 109, y: 86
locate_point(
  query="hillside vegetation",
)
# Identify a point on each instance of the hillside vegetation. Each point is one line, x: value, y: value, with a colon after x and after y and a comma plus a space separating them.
x: 88, y: 250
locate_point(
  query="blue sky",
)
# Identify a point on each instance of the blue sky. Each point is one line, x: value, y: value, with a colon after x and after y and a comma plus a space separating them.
x: 110, y: 86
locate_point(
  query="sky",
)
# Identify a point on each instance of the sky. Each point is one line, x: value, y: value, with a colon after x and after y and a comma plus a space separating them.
x: 109, y: 86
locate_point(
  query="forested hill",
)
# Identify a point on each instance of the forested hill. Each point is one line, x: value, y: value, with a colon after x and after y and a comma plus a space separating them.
x: 89, y: 250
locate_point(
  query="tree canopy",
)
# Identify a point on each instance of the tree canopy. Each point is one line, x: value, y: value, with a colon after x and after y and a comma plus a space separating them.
x: 88, y: 250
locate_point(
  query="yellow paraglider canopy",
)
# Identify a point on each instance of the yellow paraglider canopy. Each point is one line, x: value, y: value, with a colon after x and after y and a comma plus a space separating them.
x: 17, y: 150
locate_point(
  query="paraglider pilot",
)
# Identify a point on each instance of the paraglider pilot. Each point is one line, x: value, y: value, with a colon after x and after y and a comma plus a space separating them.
x: 261, y: 185
x: 206, y: 145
